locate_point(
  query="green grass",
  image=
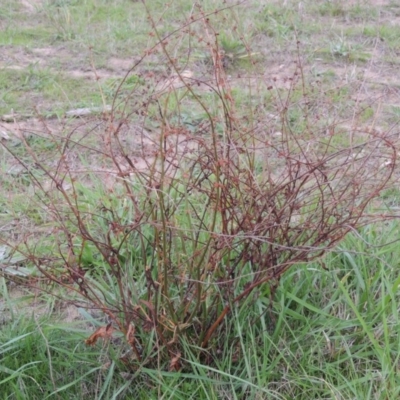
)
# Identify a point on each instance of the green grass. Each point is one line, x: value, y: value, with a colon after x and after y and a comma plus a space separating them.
x: 37, y: 89
x: 40, y: 359
x: 98, y: 30
x: 331, y: 332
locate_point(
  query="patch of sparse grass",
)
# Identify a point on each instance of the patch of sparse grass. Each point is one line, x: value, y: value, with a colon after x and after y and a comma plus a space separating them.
x: 391, y: 197
x: 344, y: 49
x: 363, y: 12
x: 8, y: 9
x: 273, y: 21
x: 388, y: 33
x: 335, y: 8
x: 25, y: 91
x: 107, y: 27
x: 17, y: 36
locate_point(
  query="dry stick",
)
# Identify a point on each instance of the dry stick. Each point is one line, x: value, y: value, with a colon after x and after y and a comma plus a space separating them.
x: 245, y: 293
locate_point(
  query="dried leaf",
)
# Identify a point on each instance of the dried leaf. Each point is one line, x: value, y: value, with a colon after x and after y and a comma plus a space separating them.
x: 130, y: 335
x: 175, y: 365
x: 106, y: 366
x: 130, y: 338
x: 148, y: 305
x: 104, y: 332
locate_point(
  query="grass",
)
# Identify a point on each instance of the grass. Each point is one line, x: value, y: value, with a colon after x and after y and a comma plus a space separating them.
x: 81, y: 33
x: 56, y: 93
x: 40, y: 359
x: 331, y: 330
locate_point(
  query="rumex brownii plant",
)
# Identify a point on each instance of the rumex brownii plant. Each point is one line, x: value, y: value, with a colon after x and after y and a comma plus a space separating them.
x: 195, y: 191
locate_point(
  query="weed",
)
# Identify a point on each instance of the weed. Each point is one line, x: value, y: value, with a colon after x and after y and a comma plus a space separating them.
x: 306, y: 343
x: 167, y: 253
x: 332, y: 8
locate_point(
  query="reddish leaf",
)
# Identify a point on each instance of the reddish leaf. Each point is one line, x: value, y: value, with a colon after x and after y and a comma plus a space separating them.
x: 104, y: 332
x: 130, y: 335
x: 175, y: 365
